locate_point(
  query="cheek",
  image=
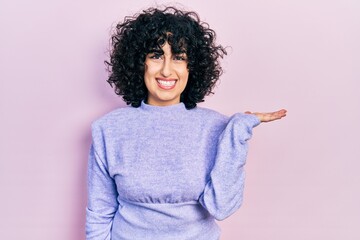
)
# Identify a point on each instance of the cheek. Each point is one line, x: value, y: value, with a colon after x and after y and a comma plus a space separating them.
x: 150, y: 70
x: 185, y: 74
x: 146, y: 75
x: 146, y: 69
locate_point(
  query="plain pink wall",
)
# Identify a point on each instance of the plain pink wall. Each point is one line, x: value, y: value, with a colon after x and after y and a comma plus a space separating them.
x: 302, y: 172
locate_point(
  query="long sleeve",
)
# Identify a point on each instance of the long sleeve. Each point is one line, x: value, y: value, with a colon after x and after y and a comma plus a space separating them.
x: 102, y: 196
x: 223, y: 193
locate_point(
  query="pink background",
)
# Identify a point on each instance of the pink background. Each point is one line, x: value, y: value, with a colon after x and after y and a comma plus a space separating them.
x: 303, y: 55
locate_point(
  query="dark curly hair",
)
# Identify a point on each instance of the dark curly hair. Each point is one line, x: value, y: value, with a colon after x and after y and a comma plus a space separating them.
x: 140, y: 34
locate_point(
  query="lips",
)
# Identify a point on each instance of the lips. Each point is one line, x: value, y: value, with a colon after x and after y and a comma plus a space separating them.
x: 166, y: 84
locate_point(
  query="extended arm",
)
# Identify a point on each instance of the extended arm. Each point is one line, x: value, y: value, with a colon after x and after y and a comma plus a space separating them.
x: 223, y: 193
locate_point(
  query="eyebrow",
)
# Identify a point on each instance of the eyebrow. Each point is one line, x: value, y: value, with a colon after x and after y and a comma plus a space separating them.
x: 156, y: 50
x: 160, y: 51
x: 182, y: 51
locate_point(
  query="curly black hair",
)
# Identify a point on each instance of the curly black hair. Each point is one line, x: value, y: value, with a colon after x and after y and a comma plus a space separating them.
x: 140, y: 34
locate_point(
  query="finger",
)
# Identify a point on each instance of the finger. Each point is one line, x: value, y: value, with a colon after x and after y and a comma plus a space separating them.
x: 281, y: 113
x: 267, y: 117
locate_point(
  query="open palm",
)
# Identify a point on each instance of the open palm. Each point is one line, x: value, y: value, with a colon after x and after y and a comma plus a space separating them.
x: 271, y: 116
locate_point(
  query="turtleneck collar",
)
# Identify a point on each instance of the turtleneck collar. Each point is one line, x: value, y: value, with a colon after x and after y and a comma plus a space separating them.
x: 171, y: 108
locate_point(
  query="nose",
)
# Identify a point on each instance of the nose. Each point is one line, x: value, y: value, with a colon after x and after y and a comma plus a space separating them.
x: 166, y: 68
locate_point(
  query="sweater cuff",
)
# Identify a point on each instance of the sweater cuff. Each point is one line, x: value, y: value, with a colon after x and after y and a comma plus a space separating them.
x: 250, y: 120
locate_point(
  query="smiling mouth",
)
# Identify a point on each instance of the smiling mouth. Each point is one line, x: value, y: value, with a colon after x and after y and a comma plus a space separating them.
x: 166, y: 84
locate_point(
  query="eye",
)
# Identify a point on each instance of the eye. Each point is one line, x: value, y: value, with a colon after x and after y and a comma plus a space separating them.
x: 155, y: 55
x: 180, y: 57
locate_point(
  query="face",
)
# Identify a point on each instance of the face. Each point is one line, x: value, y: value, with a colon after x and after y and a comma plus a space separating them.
x: 166, y: 76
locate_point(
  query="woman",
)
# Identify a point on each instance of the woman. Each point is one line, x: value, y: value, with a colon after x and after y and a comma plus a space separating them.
x: 164, y: 168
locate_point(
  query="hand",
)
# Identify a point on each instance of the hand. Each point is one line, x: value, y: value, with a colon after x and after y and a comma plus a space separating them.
x: 268, y: 117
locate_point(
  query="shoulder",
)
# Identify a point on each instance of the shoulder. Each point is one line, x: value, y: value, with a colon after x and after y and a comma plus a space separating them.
x: 209, y: 115
x: 210, y: 112
x: 114, y: 118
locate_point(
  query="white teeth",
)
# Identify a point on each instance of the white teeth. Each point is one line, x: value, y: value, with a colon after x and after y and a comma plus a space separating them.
x: 166, y: 83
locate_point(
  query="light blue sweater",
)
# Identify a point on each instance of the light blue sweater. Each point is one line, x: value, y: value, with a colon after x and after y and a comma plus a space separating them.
x: 165, y: 173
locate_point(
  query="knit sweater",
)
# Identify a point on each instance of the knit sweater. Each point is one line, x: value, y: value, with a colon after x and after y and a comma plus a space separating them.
x: 165, y: 173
